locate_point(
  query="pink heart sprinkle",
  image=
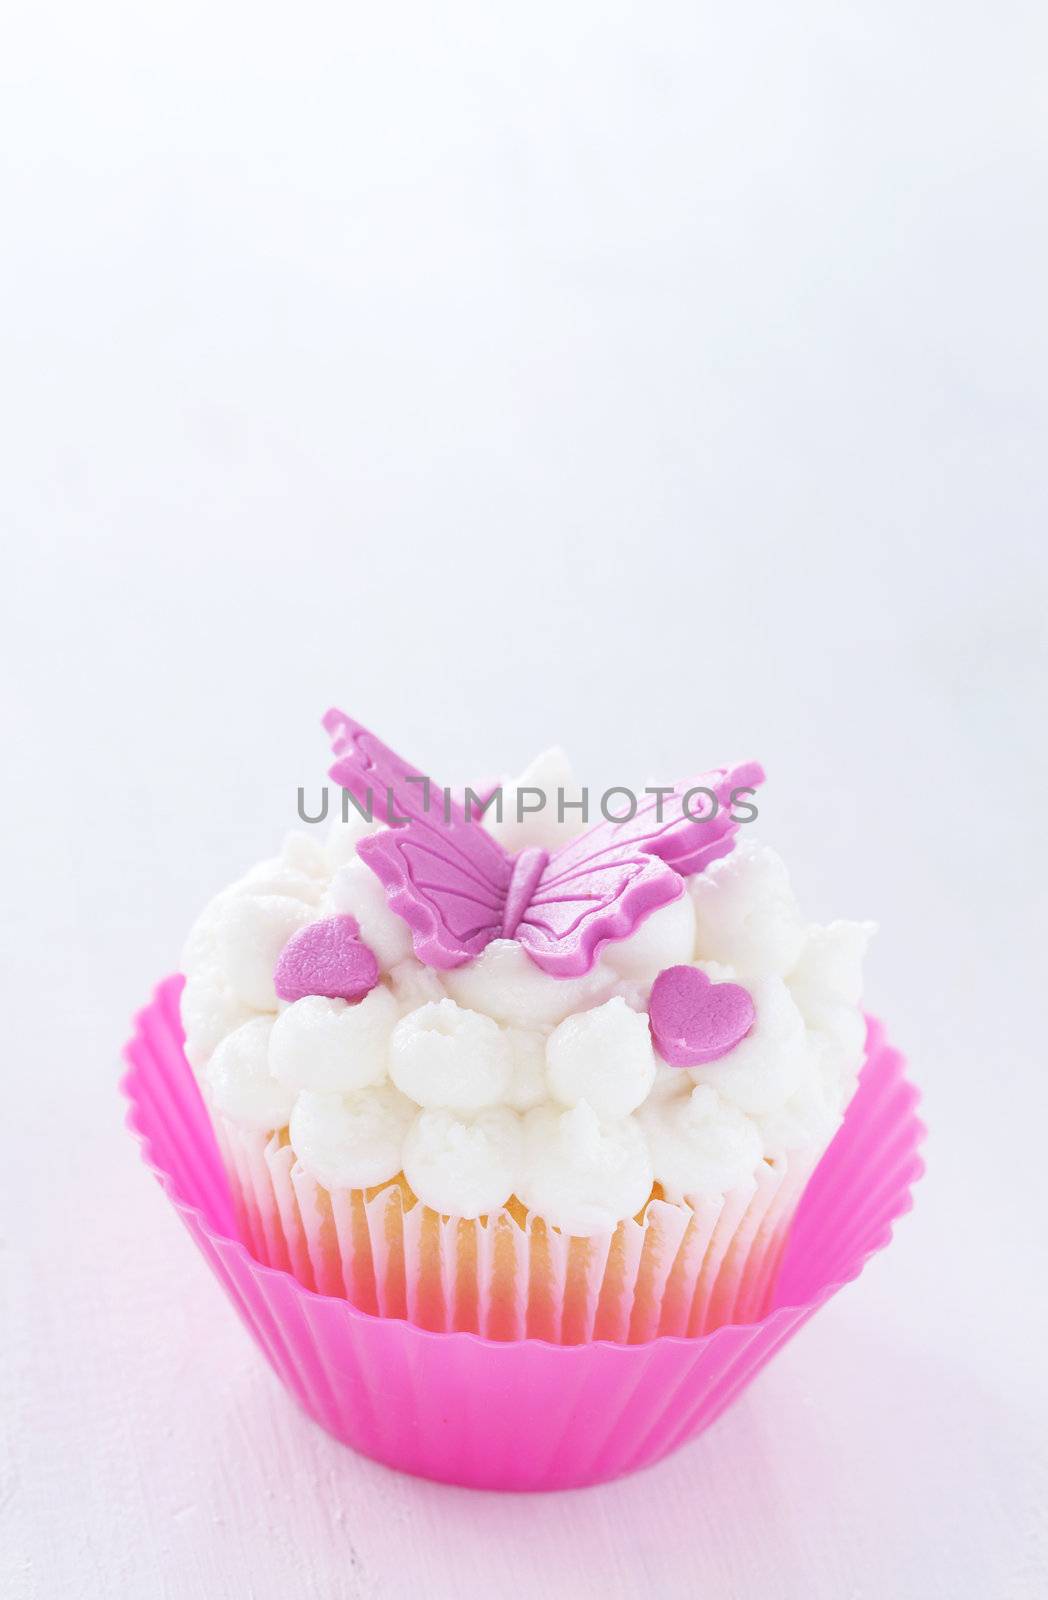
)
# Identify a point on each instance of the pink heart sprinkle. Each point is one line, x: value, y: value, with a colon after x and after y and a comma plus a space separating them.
x: 694, y: 1020
x: 326, y: 958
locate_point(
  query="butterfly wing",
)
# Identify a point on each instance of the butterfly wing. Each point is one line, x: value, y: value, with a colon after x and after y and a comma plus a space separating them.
x: 604, y: 884
x: 445, y: 876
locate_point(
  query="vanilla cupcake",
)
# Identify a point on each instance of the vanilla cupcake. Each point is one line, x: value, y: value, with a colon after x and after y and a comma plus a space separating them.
x: 531, y: 1076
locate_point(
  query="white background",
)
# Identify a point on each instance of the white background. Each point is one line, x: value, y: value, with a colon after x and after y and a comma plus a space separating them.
x: 669, y: 382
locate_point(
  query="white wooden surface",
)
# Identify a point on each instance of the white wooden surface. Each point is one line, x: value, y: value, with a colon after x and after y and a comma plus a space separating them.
x: 667, y: 382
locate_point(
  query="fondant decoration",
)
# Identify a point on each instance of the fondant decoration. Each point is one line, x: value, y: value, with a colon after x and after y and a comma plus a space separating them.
x: 694, y: 1020
x: 326, y: 958
x: 458, y: 889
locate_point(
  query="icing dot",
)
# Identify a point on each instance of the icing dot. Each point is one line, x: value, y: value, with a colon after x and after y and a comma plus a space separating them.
x: 327, y: 1044
x: 443, y: 1055
x: 463, y: 1167
x: 239, y: 1082
x: 583, y: 1173
x: 351, y: 1141
x: 603, y: 1056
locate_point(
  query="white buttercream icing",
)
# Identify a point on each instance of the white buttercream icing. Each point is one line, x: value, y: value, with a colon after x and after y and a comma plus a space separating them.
x: 604, y: 1056
x: 464, y: 1166
x: 444, y: 1056
x: 583, y: 1172
x: 210, y: 1010
x: 240, y: 1083
x: 284, y: 877
x: 496, y: 1079
x: 505, y: 983
x: 665, y: 939
x: 527, y: 1085
x: 701, y: 1145
x: 331, y: 1046
x: 351, y: 1141
x: 746, y: 915
x: 767, y: 1066
x: 356, y: 892
x: 252, y: 930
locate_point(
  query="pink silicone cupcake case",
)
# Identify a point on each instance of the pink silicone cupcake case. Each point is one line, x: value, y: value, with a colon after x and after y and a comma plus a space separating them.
x: 522, y: 1414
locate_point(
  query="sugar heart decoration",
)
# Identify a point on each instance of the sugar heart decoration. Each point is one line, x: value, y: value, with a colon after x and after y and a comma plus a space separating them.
x: 326, y: 958
x: 694, y: 1020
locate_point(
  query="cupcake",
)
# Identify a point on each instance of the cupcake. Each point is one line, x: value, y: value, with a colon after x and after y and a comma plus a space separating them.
x: 523, y: 1062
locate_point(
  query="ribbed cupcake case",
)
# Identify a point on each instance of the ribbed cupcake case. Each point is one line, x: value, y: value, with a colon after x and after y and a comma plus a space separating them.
x: 516, y: 1412
x: 678, y: 1271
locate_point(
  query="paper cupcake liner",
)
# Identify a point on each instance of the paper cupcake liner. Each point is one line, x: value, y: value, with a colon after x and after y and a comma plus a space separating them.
x: 516, y: 1412
x: 679, y: 1271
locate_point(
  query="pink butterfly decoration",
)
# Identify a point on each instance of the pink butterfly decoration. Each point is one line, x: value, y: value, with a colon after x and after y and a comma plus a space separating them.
x: 458, y: 889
